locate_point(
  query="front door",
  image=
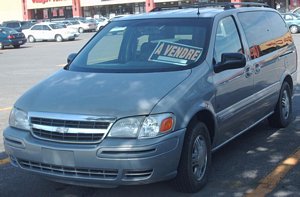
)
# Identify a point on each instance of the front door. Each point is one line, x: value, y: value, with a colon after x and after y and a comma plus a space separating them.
x: 234, y: 86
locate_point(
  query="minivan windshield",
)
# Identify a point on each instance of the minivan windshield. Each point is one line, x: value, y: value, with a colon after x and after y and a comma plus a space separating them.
x: 145, y: 45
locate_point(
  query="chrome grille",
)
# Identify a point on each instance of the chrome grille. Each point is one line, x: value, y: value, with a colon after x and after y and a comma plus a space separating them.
x: 75, y: 137
x: 69, y: 128
x: 108, y: 174
x: 70, y: 123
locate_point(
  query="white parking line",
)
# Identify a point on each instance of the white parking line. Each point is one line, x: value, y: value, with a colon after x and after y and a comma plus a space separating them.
x: 4, y: 161
x: 269, y: 183
x: 5, y: 109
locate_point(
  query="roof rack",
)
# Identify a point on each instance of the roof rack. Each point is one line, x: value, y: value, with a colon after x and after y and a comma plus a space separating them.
x: 226, y: 5
x: 230, y: 5
x: 157, y: 9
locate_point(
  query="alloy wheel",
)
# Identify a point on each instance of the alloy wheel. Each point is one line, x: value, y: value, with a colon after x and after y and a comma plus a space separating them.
x: 199, y: 157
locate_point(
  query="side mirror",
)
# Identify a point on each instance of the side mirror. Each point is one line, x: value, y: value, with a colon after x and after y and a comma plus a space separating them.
x: 230, y: 61
x: 71, y: 57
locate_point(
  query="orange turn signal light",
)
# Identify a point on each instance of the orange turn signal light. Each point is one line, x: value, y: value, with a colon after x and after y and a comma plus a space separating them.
x: 166, y: 125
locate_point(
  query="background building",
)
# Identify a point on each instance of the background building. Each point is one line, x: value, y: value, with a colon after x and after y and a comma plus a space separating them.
x: 51, y: 9
x: 11, y: 10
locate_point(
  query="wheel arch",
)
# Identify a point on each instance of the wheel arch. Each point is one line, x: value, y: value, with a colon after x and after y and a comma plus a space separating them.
x: 57, y: 35
x: 287, y: 77
x: 208, y: 119
x: 289, y: 80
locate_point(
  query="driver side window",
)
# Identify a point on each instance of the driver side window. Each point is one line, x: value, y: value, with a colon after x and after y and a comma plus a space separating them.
x: 227, y: 39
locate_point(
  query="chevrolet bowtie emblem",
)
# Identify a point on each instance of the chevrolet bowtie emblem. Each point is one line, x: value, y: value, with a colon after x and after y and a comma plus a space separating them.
x: 62, y: 130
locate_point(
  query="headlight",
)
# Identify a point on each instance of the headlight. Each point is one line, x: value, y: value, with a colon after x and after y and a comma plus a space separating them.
x: 19, y: 119
x: 143, y: 127
x: 127, y: 127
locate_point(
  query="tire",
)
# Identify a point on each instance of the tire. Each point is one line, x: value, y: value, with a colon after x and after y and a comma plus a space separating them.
x: 80, y: 30
x: 31, y: 39
x: 1, y: 46
x: 195, y: 161
x: 59, y: 38
x: 294, y: 29
x: 16, y: 46
x: 71, y: 39
x: 98, y: 29
x: 283, y: 110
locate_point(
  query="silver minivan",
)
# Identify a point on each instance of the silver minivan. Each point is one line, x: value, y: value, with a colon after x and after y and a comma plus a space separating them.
x: 151, y: 96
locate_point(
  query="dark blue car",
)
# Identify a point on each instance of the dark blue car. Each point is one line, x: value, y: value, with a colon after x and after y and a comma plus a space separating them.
x: 10, y: 37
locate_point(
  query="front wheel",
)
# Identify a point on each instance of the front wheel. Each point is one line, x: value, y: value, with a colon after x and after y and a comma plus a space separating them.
x: 294, y: 29
x: 195, y: 159
x: 283, y: 111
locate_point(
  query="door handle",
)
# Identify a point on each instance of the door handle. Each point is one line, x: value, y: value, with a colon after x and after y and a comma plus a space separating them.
x: 257, y: 68
x: 248, y: 72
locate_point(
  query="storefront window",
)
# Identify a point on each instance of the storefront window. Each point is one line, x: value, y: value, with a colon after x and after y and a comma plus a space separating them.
x: 130, y: 8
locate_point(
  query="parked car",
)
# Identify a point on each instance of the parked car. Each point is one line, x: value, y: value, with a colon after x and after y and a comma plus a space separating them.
x: 88, y: 25
x: 153, y: 102
x: 18, y: 25
x: 70, y: 27
x: 11, y: 37
x: 48, y: 31
x: 293, y: 21
x: 83, y: 25
x: 101, y: 22
x: 296, y: 11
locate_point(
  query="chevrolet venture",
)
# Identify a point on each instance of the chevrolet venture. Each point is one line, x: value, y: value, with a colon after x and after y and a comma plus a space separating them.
x: 151, y: 96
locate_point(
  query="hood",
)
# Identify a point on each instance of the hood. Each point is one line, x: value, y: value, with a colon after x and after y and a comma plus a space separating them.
x: 107, y: 94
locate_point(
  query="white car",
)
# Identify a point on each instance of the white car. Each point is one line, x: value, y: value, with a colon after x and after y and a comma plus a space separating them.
x: 70, y: 27
x: 83, y: 25
x: 101, y: 23
x: 48, y: 31
x: 296, y: 11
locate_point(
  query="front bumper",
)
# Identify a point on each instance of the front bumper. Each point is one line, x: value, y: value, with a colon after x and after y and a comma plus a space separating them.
x: 111, y: 163
x: 68, y: 36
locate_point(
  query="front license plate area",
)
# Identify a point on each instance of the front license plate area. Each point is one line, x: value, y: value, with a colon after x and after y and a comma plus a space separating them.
x: 57, y: 157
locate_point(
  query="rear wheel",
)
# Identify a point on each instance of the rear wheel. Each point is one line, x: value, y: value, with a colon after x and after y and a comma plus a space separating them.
x: 283, y: 111
x: 195, y: 159
x: 58, y: 38
x: 294, y: 29
x: 31, y: 39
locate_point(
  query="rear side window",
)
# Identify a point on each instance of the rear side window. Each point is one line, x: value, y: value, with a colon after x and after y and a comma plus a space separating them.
x: 12, y: 25
x: 37, y: 27
x: 265, y: 32
x: 277, y: 24
x: 8, y: 31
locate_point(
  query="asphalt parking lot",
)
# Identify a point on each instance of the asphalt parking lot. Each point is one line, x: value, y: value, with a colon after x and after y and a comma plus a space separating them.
x: 262, y: 162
